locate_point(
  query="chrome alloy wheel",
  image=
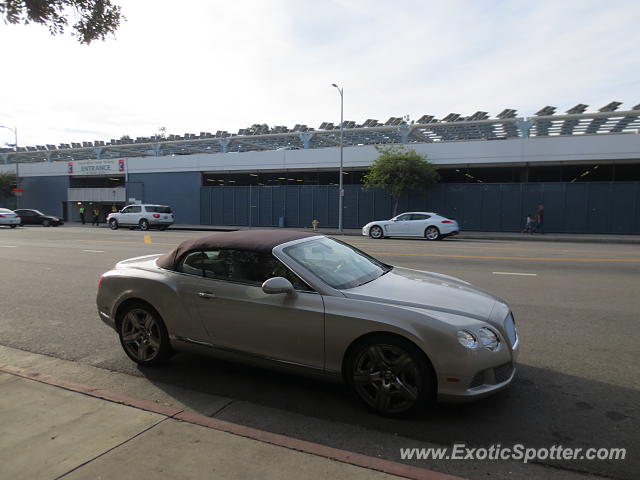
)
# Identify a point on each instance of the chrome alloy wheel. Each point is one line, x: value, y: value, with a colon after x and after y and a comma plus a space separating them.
x: 375, y: 232
x: 141, y: 335
x: 387, y: 378
x: 432, y: 233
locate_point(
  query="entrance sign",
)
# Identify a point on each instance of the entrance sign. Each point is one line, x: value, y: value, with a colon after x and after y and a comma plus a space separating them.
x: 96, y: 167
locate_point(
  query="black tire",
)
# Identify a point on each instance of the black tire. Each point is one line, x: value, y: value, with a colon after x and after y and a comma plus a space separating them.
x: 46, y: 223
x: 13, y: 226
x: 376, y: 232
x: 432, y: 233
x: 144, y: 225
x: 389, y: 375
x: 162, y: 229
x: 113, y: 224
x: 143, y: 334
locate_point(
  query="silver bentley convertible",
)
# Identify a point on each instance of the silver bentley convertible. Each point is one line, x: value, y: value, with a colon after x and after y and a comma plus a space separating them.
x: 398, y: 338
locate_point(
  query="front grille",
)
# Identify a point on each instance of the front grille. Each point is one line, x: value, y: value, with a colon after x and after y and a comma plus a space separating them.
x: 503, y: 372
x: 510, y: 327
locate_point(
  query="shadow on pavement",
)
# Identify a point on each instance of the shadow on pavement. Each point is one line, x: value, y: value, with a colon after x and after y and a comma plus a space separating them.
x: 542, y: 408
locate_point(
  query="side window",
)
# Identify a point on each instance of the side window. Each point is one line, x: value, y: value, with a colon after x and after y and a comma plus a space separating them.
x: 192, y: 263
x: 135, y: 209
x: 127, y: 210
x: 420, y: 216
x: 403, y: 218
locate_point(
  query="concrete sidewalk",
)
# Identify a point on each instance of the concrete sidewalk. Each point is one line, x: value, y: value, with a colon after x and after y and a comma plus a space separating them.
x: 54, y: 429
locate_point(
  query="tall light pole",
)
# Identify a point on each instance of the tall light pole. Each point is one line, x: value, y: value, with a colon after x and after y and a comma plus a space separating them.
x: 15, y: 146
x: 341, y: 190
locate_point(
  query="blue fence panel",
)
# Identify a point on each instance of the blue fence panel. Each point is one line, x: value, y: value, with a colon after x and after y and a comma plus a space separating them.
x: 569, y: 207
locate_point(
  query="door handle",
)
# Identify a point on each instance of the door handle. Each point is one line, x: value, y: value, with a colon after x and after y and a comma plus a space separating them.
x: 206, y: 295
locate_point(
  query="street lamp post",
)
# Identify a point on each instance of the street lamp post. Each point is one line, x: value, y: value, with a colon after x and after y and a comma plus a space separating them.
x: 340, y: 189
x: 15, y: 146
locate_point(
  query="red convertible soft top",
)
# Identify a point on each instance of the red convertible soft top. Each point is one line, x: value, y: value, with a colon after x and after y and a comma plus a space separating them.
x: 255, y: 240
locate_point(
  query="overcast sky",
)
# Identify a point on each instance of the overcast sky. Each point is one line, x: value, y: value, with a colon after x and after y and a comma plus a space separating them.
x: 207, y: 65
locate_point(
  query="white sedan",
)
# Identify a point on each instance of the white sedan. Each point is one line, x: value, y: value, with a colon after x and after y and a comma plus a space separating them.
x: 427, y: 225
x: 9, y: 217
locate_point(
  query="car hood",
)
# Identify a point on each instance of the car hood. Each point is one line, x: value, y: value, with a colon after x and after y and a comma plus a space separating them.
x: 432, y: 291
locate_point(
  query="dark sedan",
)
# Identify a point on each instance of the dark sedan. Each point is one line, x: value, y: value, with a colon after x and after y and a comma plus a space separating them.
x: 36, y: 217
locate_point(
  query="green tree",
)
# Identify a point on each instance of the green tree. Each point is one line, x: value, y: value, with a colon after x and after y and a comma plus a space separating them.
x: 7, y: 184
x: 94, y: 19
x: 400, y: 171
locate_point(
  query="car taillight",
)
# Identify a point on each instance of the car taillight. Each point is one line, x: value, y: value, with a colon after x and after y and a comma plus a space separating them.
x: 100, y: 281
x: 156, y: 215
x: 1, y: 216
x: 447, y: 221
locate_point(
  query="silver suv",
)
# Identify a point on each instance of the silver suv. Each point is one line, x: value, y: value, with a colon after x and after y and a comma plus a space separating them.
x: 142, y: 216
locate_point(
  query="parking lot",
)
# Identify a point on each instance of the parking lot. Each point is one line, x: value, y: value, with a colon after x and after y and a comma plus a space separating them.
x: 576, y: 306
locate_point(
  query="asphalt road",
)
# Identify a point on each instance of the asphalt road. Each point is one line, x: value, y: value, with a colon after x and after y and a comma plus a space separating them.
x: 576, y: 307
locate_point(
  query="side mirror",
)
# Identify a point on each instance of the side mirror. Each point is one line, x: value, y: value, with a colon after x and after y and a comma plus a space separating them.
x: 277, y: 285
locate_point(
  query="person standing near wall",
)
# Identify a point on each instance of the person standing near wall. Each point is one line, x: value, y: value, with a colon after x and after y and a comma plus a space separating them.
x: 82, y: 214
x: 540, y: 219
x: 96, y: 217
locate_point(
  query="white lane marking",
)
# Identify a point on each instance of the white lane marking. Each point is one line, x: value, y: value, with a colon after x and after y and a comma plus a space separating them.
x: 514, y: 273
x: 93, y: 251
x: 8, y: 246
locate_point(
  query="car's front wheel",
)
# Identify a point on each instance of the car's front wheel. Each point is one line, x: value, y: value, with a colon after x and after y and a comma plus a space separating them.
x: 113, y: 224
x: 389, y: 375
x: 143, y: 335
x: 13, y: 226
x: 376, y: 232
x: 46, y: 223
x: 432, y: 233
x: 144, y: 225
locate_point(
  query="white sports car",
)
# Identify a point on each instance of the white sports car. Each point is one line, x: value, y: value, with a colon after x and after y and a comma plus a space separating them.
x: 9, y: 217
x: 427, y: 225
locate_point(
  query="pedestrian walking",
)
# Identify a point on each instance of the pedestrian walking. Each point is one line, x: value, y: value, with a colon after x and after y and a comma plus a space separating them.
x: 540, y: 219
x: 96, y: 217
x: 528, y: 225
x: 82, y: 213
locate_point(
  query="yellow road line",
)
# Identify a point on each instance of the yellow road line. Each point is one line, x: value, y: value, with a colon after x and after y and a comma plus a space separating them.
x: 546, y: 259
x: 147, y: 239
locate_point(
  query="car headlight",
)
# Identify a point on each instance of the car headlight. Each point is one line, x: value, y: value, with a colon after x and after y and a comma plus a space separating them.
x: 467, y: 339
x: 488, y: 338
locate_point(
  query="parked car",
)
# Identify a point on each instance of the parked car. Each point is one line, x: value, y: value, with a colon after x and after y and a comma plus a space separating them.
x: 9, y: 217
x: 142, y: 216
x: 397, y: 337
x: 29, y: 216
x: 427, y: 225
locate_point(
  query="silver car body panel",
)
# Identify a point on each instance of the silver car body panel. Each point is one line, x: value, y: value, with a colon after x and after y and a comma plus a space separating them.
x: 312, y: 331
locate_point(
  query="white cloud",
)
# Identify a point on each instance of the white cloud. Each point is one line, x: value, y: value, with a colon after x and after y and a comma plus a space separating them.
x: 207, y: 66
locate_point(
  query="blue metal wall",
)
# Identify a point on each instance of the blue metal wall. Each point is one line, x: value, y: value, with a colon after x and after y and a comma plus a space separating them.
x: 44, y: 193
x: 569, y: 207
x: 178, y: 190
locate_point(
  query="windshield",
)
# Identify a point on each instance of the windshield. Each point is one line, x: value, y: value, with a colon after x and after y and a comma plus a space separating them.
x: 337, y: 264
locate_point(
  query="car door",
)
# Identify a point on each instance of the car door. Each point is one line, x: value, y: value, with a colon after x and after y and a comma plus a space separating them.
x: 239, y: 316
x: 27, y: 217
x: 418, y: 224
x: 399, y: 226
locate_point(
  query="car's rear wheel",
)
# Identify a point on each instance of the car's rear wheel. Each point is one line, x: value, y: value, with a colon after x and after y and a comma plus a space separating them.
x: 13, y: 226
x: 143, y: 335
x: 376, y: 232
x: 432, y: 233
x: 144, y: 225
x: 113, y: 224
x: 46, y: 223
x: 389, y: 375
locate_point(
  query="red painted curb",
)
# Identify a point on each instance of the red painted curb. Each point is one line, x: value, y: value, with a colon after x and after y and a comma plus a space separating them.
x: 344, y: 456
